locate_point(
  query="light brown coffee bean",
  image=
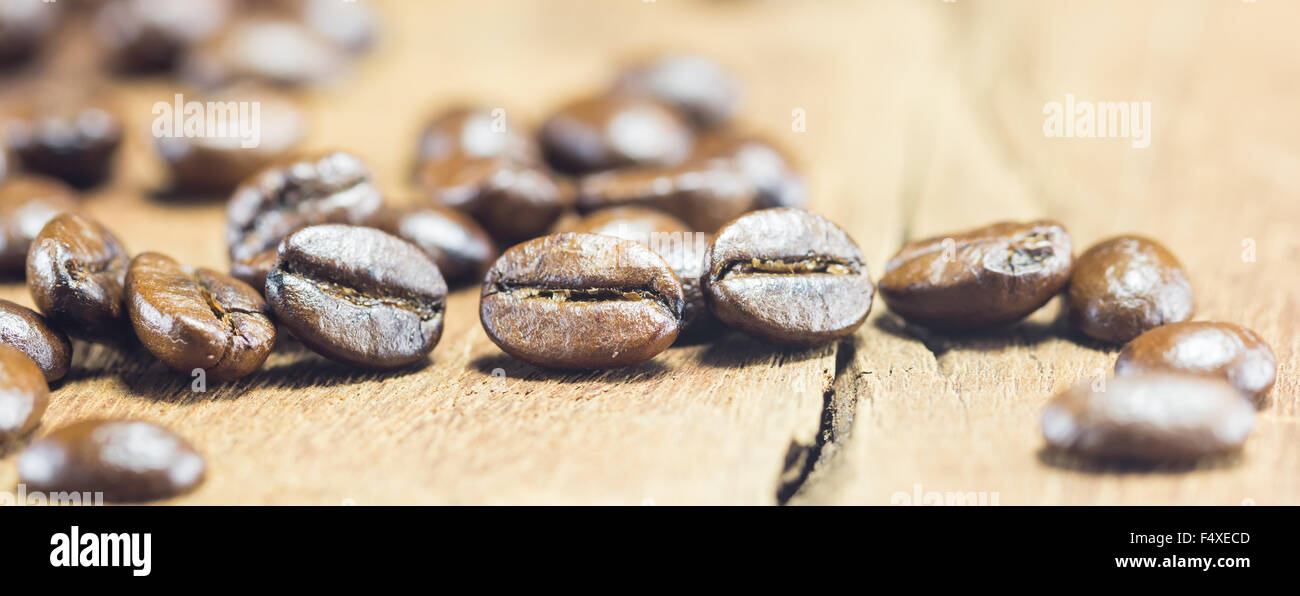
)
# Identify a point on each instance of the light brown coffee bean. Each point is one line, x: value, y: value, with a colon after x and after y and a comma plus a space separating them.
x: 27, y: 203
x: 1223, y: 350
x: 30, y: 333
x: 23, y: 393
x: 126, y: 460
x: 1125, y: 286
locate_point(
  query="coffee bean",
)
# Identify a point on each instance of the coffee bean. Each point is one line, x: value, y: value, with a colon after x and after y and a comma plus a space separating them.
x: 23, y: 392
x: 198, y: 319
x: 145, y: 35
x: 67, y: 135
x: 75, y: 273
x: 1125, y: 286
x: 220, y: 163
x: 456, y: 243
x: 358, y: 295
x: 30, y: 333
x: 767, y: 167
x: 787, y: 276
x: 24, y: 26
x: 581, y: 301
x: 254, y: 269
x: 1149, y: 418
x: 244, y: 51
x: 331, y: 187
x: 1223, y: 350
x: 697, y: 86
x: 614, y: 131
x: 126, y: 460
x: 27, y: 203
x: 988, y: 276
x: 705, y: 194
x: 472, y: 159
x: 352, y: 24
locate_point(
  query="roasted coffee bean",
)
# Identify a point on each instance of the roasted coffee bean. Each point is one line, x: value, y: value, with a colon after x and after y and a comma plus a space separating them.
x: 23, y: 392
x: 198, y: 319
x: 29, y: 332
x: 126, y: 460
x: 581, y: 301
x: 66, y: 135
x: 768, y: 168
x: 358, y: 295
x: 630, y: 223
x: 1125, y: 286
x: 988, y: 276
x: 473, y: 160
x: 24, y: 26
x: 275, y: 51
x: 456, y: 243
x: 787, y: 276
x: 697, y: 86
x: 326, y: 188
x: 1224, y: 350
x: 614, y: 131
x: 145, y: 35
x: 254, y: 269
x: 76, y: 269
x: 27, y: 203
x: 1150, y: 418
x: 704, y: 194
x: 221, y: 163
x: 352, y: 24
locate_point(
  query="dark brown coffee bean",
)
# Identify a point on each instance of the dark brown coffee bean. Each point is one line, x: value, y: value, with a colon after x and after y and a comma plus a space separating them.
x: 67, y: 135
x: 219, y: 164
x: 126, y: 460
x: 455, y: 242
x: 1149, y: 418
x: 326, y: 188
x: 30, y: 333
x: 768, y: 168
x: 581, y: 301
x: 23, y: 392
x: 145, y: 35
x: 1125, y: 286
x: 788, y: 276
x: 614, y: 131
x: 198, y: 319
x: 1223, y: 350
x: 358, y: 295
x: 704, y: 194
x: 697, y: 86
x: 988, y: 276
x: 274, y: 51
x: 27, y: 203
x: 24, y: 27
x: 254, y: 269
x: 76, y: 269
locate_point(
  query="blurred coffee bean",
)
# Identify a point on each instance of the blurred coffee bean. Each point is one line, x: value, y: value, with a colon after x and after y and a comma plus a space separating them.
x: 24, y: 27
x: 1155, y: 418
x: 358, y: 295
x: 615, y: 131
x: 1225, y: 350
x: 27, y: 203
x: 198, y: 318
x: 697, y: 86
x: 267, y: 50
x: 146, y: 35
x: 768, y: 168
x: 705, y: 194
x: 456, y: 243
x: 1124, y: 286
x: 30, y: 333
x: 126, y: 460
x: 253, y: 270
x: 352, y: 24
x: 65, y: 134
x: 23, y: 393
x: 333, y: 187
x: 214, y: 164
x: 988, y: 276
x: 788, y: 276
x: 76, y: 269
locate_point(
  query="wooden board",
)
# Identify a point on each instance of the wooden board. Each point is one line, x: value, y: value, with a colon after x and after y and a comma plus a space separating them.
x: 922, y: 117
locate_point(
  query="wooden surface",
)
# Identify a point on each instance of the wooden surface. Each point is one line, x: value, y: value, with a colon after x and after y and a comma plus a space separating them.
x: 922, y: 117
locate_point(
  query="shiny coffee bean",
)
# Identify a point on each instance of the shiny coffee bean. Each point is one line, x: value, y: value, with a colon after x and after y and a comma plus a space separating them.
x: 615, y: 131
x: 325, y: 188
x: 1223, y: 350
x: 23, y: 393
x: 352, y: 24
x: 27, y: 203
x: 581, y: 301
x: 76, y: 270
x: 768, y: 168
x: 456, y: 243
x: 274, y: 51
x: 703, y: 194
x: 66, y: 135
x: 1156, y: 418
x: 198, y: 319
x: 145, y: 35
x: 788, y: 276
x: 219, y: 164
x: 1125, y: 286
x: 126, y: 460
x: 697, y: 86
x: 475, y: 160
x: 358, y: 295
x: 30, y: 333
x: 988, y: 276
x: 24, y: 27
x: 254, y: 269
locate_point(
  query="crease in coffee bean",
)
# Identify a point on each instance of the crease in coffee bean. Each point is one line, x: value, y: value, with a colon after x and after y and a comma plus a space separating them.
x: 423, y: 309
x: 582, y: 294
x: 795, y: 266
